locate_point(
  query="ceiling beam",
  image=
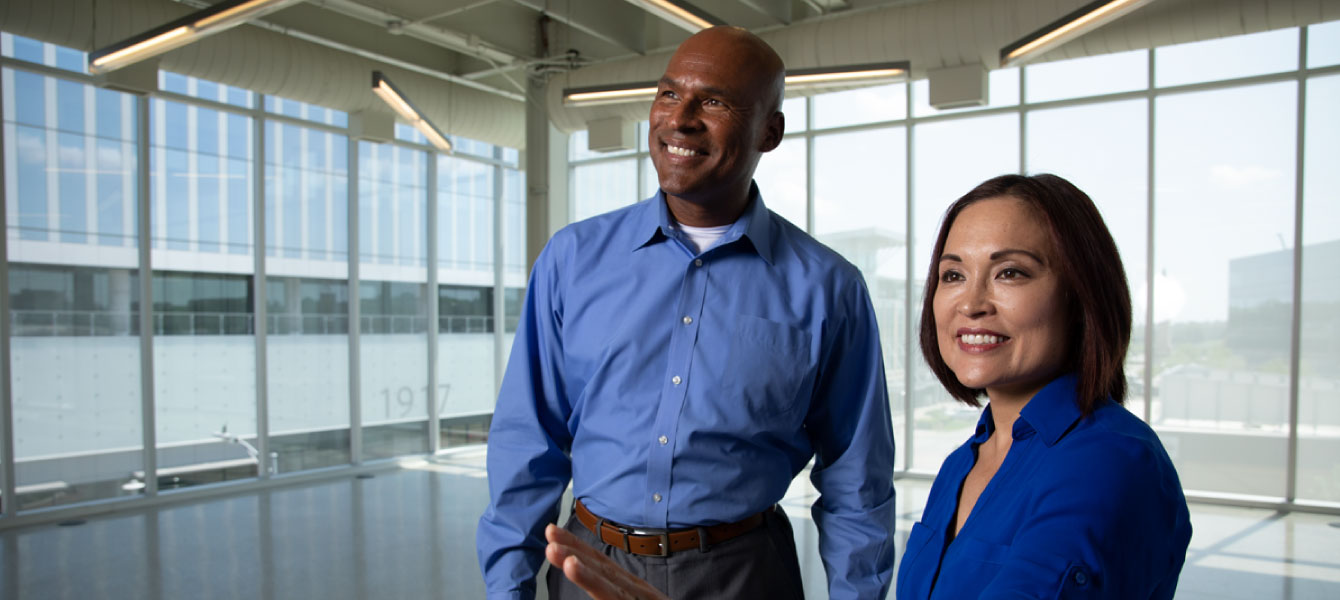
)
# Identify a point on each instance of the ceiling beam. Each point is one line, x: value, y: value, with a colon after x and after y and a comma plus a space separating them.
x: 469, y: 45
x: 777, y: 10
x: 613, y: 21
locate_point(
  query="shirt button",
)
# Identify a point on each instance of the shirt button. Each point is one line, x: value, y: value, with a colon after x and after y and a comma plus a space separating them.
x: 1081, y: 578
x: 656, y: 497
x: 697, y: 262
x: 675, y: 380
x: 688, y: 320
x: 663, y: 440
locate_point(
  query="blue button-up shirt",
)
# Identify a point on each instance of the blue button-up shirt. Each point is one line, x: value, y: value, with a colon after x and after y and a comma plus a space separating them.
x: 678, y: 389
x: 1081, y: 508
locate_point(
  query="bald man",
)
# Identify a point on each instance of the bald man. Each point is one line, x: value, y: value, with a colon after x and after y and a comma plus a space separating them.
x: 682, y: 359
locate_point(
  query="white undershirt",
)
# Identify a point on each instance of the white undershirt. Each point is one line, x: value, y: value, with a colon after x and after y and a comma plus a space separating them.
x: 702, y: 238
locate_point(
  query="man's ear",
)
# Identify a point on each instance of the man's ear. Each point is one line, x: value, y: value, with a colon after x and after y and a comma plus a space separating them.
x: 772, y: 132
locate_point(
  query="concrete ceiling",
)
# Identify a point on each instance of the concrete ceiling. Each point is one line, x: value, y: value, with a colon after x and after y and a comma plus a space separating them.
x: 497, y: 42
x: 466, y: 63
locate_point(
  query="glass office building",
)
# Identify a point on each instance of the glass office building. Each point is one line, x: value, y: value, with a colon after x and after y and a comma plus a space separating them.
x: 255, y: 247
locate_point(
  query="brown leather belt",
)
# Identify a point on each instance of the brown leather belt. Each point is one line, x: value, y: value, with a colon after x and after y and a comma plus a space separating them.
x: 645, y: 543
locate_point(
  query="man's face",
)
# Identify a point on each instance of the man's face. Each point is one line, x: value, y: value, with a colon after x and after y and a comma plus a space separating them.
x: 711, y: 120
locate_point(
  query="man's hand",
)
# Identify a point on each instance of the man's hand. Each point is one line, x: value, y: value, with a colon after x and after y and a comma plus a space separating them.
x: 593, y: 571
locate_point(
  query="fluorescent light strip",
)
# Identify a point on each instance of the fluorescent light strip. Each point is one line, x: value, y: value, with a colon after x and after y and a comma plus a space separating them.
x: 402, y: 106
x: 237, y: 13
x: 610, y: 96
x: 192, y: 27
x: 1071, y: 26
x: 139, y: 51
x: 679, y: 14
x: 844, y: 76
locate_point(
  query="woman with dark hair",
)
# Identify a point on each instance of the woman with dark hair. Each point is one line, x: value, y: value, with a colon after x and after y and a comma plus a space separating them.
x: 1060, y: 492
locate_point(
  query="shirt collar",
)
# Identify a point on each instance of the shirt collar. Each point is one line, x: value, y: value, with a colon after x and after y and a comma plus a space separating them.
x: 1050, y: 413
x: 754, y: 224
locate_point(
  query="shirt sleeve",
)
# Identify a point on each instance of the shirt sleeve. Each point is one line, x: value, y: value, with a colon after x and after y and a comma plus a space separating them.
x: 852, y: 433
x: 1115, y: 526
x: 528, y: 461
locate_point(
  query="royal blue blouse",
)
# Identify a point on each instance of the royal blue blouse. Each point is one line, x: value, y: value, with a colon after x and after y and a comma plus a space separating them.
x: 1082, y: 507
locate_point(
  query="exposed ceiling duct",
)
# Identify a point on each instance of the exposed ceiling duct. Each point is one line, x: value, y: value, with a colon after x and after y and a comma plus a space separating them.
x: 270, y: 62
x: 948, y: 33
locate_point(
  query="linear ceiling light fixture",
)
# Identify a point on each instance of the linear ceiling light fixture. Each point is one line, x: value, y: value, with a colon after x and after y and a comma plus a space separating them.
x: 799, y: 79
x: 407, y: 111
x: 680, y: 13
x: 1083, y: 20
x: 190, y: 28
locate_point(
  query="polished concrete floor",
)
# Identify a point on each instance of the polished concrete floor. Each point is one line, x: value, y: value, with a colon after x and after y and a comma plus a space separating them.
x: 409, y: 533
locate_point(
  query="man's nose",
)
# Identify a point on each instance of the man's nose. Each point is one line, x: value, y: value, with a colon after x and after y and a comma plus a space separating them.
x: 686, y: 116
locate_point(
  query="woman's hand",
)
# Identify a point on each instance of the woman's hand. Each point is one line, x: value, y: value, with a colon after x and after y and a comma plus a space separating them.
x: 593, y: 571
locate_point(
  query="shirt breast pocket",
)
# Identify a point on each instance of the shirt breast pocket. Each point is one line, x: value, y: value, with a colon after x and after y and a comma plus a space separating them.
x: 766, y: 366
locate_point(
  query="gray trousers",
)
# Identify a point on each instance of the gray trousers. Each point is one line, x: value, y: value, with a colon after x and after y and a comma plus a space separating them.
x: 759, y: 564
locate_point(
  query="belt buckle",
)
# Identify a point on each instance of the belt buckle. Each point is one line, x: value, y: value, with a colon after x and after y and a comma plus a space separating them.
x: 665, y: 544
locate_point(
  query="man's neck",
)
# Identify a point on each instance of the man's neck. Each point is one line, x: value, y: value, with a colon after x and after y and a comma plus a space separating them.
x: 707, y: 213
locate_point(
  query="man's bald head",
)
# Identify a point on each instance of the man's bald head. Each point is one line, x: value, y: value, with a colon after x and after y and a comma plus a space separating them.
x: 754, y: 60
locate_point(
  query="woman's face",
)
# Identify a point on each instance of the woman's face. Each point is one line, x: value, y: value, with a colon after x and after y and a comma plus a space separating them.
x: 1000, y: 313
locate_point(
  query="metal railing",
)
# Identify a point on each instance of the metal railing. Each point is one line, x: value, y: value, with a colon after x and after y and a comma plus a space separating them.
x: 92, y: 323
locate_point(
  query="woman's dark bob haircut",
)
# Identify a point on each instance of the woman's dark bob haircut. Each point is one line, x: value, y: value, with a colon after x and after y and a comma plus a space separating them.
x: 1091, y: 276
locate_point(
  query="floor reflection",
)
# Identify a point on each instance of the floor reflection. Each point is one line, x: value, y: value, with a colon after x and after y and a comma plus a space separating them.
x: 409, y: 533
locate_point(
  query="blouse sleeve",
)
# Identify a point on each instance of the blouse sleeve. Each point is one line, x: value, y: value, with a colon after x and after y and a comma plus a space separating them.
x: 1114, y: 525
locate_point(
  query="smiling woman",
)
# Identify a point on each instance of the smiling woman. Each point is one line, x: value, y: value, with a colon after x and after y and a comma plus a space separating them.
x: 1060, y: 492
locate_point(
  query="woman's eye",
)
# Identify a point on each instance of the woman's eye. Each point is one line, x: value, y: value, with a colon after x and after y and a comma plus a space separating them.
x: 1011, y: 273
x: 949, y: 276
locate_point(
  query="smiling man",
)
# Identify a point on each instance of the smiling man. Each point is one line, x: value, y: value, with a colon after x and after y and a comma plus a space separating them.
x: 682, y: 359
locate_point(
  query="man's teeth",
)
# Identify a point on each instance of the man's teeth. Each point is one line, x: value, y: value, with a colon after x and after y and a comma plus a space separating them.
x: 978, y: 339
x: 677, y: 151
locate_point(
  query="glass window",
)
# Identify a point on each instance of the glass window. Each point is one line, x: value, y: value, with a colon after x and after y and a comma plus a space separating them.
x: 393, y: 299
x: 781, y: 180
x: 863, y: 105
x: 651, y: 182
x: 464, y: 145
x: 1226, y: 58
x: 307, y: 296
x: 205, y: 89
x: 466, y: 341
x: 860, y: 211
x: 407, y: 133
x: 1319, y: 355
x: 601, y: 187
x: 73, y: 288
x: 515, y: 262
x: 204, y: 353
x: 1323, y: 44
x: 1002, y: 90
x: 1223, y: 280
x: 51, y: 55
x: 305, y: 111
x: 794, y: 111
x: 1110, y: 166
x: 1091, y: 76
x: 951, y: 158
